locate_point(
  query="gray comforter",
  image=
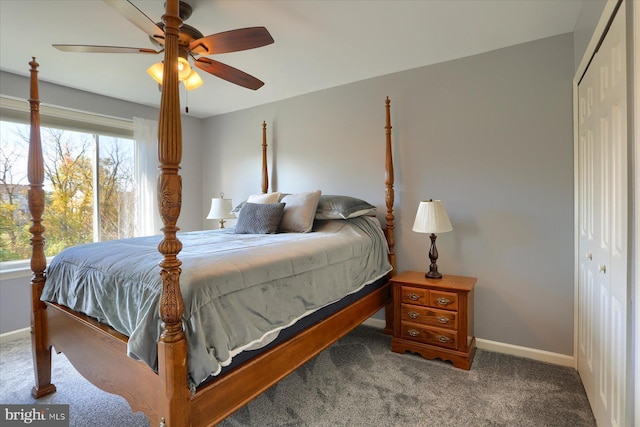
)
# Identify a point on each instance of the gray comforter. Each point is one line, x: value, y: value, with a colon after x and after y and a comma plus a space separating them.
x: 238, y: 290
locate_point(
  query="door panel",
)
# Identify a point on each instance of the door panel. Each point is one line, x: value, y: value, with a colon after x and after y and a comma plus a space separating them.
x: 588, y: 206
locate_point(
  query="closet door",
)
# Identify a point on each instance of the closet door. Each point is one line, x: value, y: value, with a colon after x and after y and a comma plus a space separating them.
x: 602, y: 310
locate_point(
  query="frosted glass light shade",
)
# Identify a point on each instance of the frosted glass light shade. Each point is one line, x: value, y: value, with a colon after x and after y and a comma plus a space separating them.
x: 432, y: 218
x: 156, y: 71
x: 193, y: 81
x: 184, y: 69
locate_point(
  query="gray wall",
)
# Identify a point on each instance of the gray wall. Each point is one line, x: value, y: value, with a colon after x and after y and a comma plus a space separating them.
x: 490, y: 135
x: 585, y: 26
x: 15, y: 304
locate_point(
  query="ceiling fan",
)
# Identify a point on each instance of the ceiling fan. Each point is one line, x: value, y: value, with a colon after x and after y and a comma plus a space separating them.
x: 192, y: 44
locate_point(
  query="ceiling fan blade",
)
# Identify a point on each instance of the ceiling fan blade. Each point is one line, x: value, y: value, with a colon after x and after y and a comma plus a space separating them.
x: 232, y: 41
x: 137, y: 18
x: 83, y: 48
x: 228, y: 73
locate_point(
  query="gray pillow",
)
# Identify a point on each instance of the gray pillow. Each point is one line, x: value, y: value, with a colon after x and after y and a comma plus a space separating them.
x: 259, y: 218
x: 299, y: 212
x: 342, y: 207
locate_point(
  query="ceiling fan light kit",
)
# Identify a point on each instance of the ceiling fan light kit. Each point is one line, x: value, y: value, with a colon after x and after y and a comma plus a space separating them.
x: 192, y: 44
x: 187, y: 75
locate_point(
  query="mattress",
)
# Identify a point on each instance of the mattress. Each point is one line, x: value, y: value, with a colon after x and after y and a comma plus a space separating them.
x: 239, y: 290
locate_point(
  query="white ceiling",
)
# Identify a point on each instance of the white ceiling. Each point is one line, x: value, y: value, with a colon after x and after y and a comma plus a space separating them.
x: 318, y: 43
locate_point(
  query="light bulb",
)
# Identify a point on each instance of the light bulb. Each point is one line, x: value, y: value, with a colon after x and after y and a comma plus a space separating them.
x: 184, y: 69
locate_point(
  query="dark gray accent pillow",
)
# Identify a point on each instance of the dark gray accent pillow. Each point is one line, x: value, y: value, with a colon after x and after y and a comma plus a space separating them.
x: 342, y: 207
x: 259, y: 218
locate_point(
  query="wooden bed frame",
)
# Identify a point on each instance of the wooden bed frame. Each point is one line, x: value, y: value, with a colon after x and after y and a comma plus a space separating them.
x: 99, y: 353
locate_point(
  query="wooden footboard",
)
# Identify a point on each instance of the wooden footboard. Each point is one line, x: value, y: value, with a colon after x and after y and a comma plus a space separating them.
x: 99, y: 354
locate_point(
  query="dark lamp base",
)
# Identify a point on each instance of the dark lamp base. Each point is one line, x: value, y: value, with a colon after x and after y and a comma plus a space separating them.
x: 433, y: 275
x: 433, y: 256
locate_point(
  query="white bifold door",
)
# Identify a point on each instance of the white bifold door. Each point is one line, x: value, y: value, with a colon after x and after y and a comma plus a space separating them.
x: 603, y: 318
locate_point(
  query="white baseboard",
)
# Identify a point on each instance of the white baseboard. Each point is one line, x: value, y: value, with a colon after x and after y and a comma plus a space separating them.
x: 499, y: 347
x: 375, y: 323
x: 529, y: 353
x: 14, y: 335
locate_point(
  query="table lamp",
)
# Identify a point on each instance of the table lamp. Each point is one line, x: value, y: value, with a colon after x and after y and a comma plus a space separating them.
x: 432, y: 218
x: 220, y: 209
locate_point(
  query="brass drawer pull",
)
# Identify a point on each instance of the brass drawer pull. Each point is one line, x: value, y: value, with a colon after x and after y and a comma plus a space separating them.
x: 443, y: 339
x: 413, y: 332
x: 442, y: 319
x: 414, y: 297
x: 443, y: 301
x: 413, y: 314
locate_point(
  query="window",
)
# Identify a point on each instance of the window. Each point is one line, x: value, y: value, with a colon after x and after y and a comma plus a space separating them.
x: 90, y: 189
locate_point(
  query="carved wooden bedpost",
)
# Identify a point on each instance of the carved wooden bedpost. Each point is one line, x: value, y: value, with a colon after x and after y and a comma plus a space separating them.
x: 40, y: 346
x: 389, y: 194
x: 265, y: 173
x: 389, y: 198
x: 174, y: 395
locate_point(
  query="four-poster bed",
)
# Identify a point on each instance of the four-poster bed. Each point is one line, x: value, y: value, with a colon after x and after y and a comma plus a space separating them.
x: 99, y: 352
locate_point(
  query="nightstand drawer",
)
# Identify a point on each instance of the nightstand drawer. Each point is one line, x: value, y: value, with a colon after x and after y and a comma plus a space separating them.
x: 435, y: 336
x: 429, y: 316
x: 415, y: 296
x: 442, y: 299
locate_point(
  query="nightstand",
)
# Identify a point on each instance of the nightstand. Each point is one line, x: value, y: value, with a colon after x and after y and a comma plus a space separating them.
x: 434, y: 317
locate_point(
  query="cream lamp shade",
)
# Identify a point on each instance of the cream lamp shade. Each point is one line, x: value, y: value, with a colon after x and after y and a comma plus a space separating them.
x: 432, y: 218
x: 220, y: 209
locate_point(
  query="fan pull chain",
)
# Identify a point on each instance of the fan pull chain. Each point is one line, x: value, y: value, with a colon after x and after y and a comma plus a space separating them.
x: 186, y: 100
